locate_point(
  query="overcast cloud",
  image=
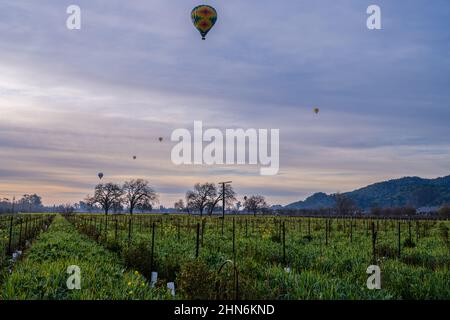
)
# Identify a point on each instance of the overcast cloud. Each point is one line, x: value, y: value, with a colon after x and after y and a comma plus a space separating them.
x: 73, y: 103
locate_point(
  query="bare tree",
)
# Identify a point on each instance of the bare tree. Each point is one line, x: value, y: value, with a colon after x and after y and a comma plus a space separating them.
x: 444, y: 211
x: 230, y: 198
x: 200, y: 197
x: 344, y: 205
x: 179, y: 205
x: 30, y: 202
x: 107, y: 196
x: 255, y: 204
x: 68, y: 208
x: 138, y: 194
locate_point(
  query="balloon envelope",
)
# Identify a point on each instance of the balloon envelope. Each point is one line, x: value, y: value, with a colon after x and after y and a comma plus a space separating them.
x: 100, y: 175
x: 316, y: 110
x: 134, y: 157
x: 204, y: 17
x: 160, y: 139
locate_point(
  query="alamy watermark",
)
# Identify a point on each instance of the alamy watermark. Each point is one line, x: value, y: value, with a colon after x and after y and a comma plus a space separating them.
x: 73, y: 21
x: 232, y: 147
x: 374, y: 281
x: 74, y: 280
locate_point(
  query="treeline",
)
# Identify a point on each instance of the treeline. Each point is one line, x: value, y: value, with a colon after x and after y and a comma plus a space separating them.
x: 208, y: 198
x: 130, y: 196
x: 397, y: 212
x: 138, y: 195
x: 27, y: 203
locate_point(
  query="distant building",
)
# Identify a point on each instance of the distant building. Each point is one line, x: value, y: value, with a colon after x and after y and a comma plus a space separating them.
x: 427, y: 210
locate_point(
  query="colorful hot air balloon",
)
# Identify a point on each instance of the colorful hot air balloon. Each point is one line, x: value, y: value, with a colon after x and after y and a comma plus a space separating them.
x: 316, y: 110
x: 100, y: 175
x: 204, y: 17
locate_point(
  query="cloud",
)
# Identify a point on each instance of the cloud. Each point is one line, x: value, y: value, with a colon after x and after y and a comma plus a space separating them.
x: 73, y: 103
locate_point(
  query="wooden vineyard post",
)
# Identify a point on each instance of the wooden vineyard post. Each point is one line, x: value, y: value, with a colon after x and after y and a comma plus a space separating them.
x: 10, y: 234
x: 203, y: 231
x: 330, y: 227
x: 399, y: 239
x: 374, y: 243
x: 309, y: 227
x: 367, y: 227
x: 246, y: 228
x: 198, y: 240
x: 234, y: 240
x: 26, y: 228
x: 284, y: 243
x: 280, y: 227
x: 326, y: 232
x: 223, y: 222
x: 115, y: 231
x: 20, y: 232
x: 417, y: 230
x: 409, y: 230
x: 153, y: 247
x: 253, y: 228
x: 129, y: 231
x: 106, y: 228
x: 351, y: 230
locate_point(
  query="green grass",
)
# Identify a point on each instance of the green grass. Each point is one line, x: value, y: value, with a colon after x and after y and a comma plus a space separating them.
x: 42, y: 274
x: 318, y: 270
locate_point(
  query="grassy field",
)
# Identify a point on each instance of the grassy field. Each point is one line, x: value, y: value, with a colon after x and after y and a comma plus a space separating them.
x: 252, y: 258
x: 43, y: 272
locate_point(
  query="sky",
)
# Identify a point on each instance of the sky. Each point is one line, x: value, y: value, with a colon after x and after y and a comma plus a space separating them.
x: 77, y: 102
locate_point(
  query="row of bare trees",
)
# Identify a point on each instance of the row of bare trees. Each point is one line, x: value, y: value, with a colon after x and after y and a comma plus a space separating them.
x: 27, y: 203
x: 206, y: 197
x: 138, y: 195
x: 133, y: 194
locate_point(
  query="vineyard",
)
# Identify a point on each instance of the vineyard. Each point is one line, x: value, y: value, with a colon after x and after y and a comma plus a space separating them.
x: 239, y: 257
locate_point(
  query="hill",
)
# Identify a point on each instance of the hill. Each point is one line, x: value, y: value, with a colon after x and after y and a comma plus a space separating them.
x: 408, y: 191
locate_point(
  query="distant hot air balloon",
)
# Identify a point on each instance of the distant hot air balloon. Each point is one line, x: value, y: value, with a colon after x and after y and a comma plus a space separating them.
x: 204, y: 17
x: 100, y: 175
x: 134, y: 157
x: 316, y: 110
x: 160, y: 139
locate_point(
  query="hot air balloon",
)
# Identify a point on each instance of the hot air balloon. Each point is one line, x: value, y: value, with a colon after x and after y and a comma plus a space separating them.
x: 204, y: 17
x: 316, y: 110
x: 100, y: 175
x: 134, y: 157
x: 160, y: 139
